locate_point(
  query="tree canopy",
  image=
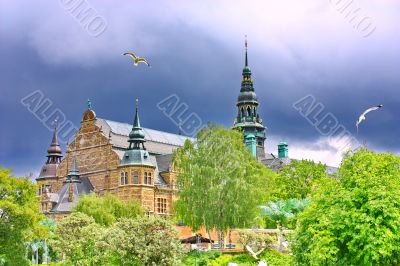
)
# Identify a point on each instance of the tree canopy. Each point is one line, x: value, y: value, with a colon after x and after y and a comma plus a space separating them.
x: 106, y: 210
x: 354, y: 219
x: 19, y: 216
x: 130, y: 241
x: 298, y: 179
x: 221, y: 184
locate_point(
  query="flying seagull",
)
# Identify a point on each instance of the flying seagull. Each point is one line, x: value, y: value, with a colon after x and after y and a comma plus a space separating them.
x: 362, y: 116
x: 136, y: 59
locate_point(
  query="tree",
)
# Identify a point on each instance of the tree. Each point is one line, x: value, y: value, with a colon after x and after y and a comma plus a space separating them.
x: 298, y: 179
x: 108, y: 209
x: 19, y: 216
x: 77, y: 236
x: 221, y: 184
x: 282, y: 213
x: 354, y: 219
x: 142, y: 241
x: 257, y: 242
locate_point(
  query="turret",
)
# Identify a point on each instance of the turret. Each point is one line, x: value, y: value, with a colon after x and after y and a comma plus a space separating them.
x: 136, y: 152
x: 248, y: 119
x: 54, y: 155
x: 283, y: 151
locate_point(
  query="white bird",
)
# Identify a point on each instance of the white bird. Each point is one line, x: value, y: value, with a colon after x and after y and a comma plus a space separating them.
x: 254, y: 254
x: 136, y: 59
x: 362, y: 116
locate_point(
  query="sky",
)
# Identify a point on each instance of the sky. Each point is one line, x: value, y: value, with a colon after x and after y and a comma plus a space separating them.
x: 339, y: 56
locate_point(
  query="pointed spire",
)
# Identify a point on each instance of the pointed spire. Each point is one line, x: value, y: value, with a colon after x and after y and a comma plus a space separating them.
x: 136, y: 136
x: 136, y: 122
x: 73, y: 173
x: 54, y: 153
x: 245, y: 45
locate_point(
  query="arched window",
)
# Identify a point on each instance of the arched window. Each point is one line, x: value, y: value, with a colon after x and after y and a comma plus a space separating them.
x: 149, y: 179
x: 254, y: 111
x: 145, y: 178
x: 242, y: 109
x: 122, y: 181
x: 248, y: 111
x: 135, y: 177
x: 126, y: 178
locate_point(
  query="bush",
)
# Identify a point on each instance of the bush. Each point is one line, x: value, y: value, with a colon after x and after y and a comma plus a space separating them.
x: 354, y: 220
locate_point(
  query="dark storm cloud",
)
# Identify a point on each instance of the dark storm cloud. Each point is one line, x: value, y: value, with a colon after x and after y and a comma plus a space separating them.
x: 196, y: 52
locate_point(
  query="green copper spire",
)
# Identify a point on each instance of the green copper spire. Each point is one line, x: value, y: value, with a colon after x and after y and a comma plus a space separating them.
x: 136, y: 153
x: 73, y: 173
x: 136, y: 122
x: 248, y: 119
x: 136, y: 136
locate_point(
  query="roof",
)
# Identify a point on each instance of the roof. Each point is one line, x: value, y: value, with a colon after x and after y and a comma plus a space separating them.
x: 164, y: 162
x: 79, y: 188
x: 48, y: 170
x: 123, y: 129
x: 196, y: 239
x: 276, y: 163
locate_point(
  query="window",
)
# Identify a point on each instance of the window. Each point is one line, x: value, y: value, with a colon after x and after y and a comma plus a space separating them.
x: 149, y: 179
x: 161, y: 205
x: 124, y: 178
x: 135, y: 177
x: 145, y: 178
x: 248, y: 111
x: 41, y: 190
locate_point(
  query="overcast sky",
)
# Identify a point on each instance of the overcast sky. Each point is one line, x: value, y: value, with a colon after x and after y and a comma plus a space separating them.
x: 345, y: 54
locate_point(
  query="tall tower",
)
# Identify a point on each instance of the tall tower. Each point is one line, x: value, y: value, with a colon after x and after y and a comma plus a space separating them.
x: 248, y: 118
x: 49, y: 169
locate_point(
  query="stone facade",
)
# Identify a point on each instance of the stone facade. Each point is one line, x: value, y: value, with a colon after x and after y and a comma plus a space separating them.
x: 98, y: 155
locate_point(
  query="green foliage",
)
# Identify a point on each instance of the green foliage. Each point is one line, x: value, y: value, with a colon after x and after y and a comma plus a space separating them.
x: 138, y: 241
x: 107, y: 209
x: 284, y: 212
x: 275, y: 258
x: 200, y: 258
x: 221, y: 184
x: 257, y: 242
x: 142, y: 241
x: 298, y: 179
x: 354, y: 220
x: 19, y: 217
x: 213, y: 258
x: 77, y: 238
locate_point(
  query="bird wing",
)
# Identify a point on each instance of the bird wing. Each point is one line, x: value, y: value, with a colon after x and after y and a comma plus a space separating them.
x: 143, y: 60
x: 374, y: 108
x: 251, y: 252
x: 362, y: 116
x: 131, y: 55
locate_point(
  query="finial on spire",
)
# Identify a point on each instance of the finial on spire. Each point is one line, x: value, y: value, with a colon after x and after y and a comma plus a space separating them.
x: 136, y: 122
x: 89, y: 104
x: 245, y: 45
x: 180, y: 127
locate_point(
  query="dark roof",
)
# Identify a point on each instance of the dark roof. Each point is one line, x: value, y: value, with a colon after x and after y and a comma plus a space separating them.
x: 194, y: 239
x: 79, y: 188
x: 164, y: 162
